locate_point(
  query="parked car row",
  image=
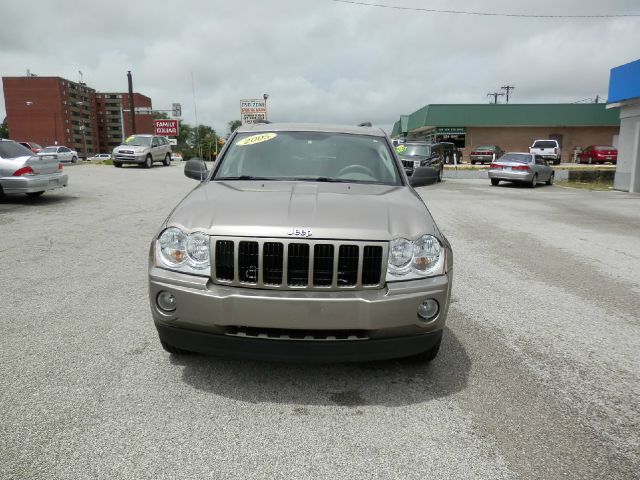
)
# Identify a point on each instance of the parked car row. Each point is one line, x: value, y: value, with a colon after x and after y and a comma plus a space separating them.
x: 548, y: 149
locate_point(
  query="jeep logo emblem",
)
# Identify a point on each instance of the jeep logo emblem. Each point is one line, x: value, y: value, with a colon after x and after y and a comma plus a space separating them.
x: 300, y: 232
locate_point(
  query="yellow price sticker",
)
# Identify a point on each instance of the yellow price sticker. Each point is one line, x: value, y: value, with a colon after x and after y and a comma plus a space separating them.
x: 253, y: 139
x: 401, y: 148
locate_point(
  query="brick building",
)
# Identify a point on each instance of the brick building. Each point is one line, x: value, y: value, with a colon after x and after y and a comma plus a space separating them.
x: 56, y: 111
x: 114, y: 113
x: 513, y: 127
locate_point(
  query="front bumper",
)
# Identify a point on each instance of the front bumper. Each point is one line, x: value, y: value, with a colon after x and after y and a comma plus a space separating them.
x: 511, y: 175
x: 207, y: 316
x: 297, y: 350
x: 126, y: 158
x: 34, y: 183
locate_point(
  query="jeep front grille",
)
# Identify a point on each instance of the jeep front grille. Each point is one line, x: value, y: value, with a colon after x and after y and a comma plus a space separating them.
x: 407, y: 163
x: 298, y: 264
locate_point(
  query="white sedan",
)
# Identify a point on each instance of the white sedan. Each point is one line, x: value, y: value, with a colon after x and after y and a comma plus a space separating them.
x: 63, y: 154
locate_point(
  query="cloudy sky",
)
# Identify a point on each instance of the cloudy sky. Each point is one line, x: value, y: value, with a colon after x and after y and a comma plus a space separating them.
x: 321, y: 60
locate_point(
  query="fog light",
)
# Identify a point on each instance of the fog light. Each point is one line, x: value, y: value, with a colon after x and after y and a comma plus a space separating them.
x: 166, y: 301
x: 428, y: 309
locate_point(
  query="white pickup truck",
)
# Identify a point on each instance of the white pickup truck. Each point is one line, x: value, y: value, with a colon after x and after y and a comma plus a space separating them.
x: 549, y: 149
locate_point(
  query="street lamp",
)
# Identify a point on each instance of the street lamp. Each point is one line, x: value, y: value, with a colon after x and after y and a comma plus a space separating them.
x: 82, y: 129
x: 28, y: 103
x: 265, y: 96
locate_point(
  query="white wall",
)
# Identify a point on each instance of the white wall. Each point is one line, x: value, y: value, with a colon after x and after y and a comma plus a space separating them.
x: 628, y: 169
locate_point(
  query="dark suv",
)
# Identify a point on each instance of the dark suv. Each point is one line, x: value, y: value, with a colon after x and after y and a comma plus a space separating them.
x: 423, y: 162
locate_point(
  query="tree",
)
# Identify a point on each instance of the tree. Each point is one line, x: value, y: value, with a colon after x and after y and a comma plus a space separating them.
x: 233, y: 124
x: 4, y: 128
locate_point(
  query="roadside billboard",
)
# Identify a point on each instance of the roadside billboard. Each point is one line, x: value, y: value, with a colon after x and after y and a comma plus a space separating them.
x: 166, y: 128
x: 252, y: 110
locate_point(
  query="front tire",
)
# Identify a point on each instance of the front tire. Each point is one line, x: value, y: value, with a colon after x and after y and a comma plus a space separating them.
x: 117, y: 164
x: 495, y: 182
x: 74, y: 159
x: 148, y: 162
x: 440, y: 174
x: 34, y: 194
x: 167, y: 160
x: 590, y: 160
x: 534, y: 181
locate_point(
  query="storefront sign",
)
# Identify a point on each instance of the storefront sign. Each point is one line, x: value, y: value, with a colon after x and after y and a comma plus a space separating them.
x: 450, y: 130
x: 167, y: 128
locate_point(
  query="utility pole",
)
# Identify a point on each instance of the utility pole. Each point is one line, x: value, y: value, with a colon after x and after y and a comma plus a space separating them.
x: 508, y: 88
x: 132, y: 107
x: 495, y: 96
x: 597, y: 99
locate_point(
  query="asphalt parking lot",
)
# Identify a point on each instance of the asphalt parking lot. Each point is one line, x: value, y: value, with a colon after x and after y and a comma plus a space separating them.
x: 538, y: 377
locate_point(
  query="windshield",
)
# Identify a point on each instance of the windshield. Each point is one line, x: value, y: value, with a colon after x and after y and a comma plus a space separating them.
x: 310, y: 156
x: 516, y: 157
x: 138, y: 141
x: 545, y: 144
x: 602, y: 147
x: 49, y: 150
x: 413, y: 150
x: 484, y: 148
x: 14, y: 150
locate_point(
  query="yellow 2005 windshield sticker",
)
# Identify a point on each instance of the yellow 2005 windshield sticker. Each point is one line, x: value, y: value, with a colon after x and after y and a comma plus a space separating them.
x: 401, y: 148
x: 253, y: 139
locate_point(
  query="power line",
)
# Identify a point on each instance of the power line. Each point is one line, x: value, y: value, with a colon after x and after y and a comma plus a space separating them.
x: 484, y: 14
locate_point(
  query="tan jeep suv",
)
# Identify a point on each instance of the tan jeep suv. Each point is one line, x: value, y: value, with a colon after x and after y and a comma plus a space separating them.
x: 303, y: 242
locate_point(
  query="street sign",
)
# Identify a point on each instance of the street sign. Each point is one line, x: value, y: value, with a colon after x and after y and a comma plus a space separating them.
x: 167, y: 128
x: 143, y: 110
x: 173, y: 142
x: 176, y: 110
x: 253, y: 110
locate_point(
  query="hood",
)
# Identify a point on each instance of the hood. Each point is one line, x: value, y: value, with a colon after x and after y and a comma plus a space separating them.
x: 329, y: 210
x: 135, y: 148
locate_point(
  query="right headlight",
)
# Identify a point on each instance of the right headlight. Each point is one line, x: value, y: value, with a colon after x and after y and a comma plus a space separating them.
x: 423, y: 257
x: 187, y: 253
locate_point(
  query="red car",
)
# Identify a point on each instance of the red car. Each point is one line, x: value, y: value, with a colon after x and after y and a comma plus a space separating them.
x: 33, y: 146
x: 598, y: 154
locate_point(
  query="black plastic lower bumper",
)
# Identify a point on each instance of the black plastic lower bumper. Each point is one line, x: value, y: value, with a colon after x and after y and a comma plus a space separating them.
x: 298, y: 350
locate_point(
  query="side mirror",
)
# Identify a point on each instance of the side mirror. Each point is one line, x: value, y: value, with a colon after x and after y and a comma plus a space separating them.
x: 196, y: 169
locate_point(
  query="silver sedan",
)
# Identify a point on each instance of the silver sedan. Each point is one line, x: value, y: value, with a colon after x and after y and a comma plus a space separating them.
x: 521, y: 167
x: 23, y: 172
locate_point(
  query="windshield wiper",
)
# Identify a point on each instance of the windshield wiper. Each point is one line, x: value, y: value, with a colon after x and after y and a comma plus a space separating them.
x: 246, y: 177
x: 325, y: 179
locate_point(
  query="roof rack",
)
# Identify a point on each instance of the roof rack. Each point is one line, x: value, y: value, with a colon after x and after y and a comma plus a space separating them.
x: 365, y: 124
x: 262, y: 121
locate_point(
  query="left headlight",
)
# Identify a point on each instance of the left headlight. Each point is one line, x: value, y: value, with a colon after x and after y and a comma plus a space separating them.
x: 187, y: 253
x: 410, y: 259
